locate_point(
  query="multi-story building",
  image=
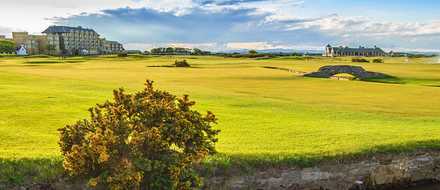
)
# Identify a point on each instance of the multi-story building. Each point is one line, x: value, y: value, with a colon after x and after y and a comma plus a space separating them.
x: 347, y: 51
x: 67, y: 40
x: 34, y: 44
x: 114, y: 46
x: 108, y: 47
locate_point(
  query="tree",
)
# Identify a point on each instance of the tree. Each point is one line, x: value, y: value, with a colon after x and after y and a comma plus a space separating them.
x: 7, y: 46
x: 170, y: 50
x: 252, y: 52
x: 156, y: 51
x: 197, y: 51
x: 148, y: 140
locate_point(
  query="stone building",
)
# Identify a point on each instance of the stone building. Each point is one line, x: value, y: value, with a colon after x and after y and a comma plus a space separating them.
x: 347, y: 51
x: 67, y: 40
x: 79, y: 41
x: 109, y: 47
x: 34, y: 44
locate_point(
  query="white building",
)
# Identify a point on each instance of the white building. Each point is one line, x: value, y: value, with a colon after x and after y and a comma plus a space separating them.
x: 22, y: 51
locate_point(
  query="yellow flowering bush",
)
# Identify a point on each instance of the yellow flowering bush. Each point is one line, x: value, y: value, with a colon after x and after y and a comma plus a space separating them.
x: 148, y: 140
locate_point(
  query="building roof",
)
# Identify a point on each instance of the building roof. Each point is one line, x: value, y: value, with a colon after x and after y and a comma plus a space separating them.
x: 112, y: 42
x: 66, y: 29
x: 360, y: 49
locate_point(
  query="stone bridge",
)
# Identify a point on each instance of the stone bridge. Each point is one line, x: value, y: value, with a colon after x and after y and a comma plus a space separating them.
x: 357, y: 71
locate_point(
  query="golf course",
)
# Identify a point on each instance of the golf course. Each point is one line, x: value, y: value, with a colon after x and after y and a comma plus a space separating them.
x: 266, y: 116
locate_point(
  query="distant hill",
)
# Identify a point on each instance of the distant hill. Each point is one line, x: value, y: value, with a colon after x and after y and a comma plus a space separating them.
x: 244, y: 51
x: 427, y: 53
x: 303, y: 51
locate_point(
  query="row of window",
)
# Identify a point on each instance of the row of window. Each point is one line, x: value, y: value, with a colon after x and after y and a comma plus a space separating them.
x: 76, y: 38
x: 80, y: 42
x: 91, y: 34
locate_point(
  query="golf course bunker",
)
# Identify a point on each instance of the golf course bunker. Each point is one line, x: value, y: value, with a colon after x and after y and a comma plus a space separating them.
x: 357, y: 71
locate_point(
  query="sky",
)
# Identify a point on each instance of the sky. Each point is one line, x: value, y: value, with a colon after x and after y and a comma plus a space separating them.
x: 218, y: 25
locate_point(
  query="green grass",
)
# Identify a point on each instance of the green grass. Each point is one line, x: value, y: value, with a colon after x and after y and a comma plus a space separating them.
x: 267, y: 116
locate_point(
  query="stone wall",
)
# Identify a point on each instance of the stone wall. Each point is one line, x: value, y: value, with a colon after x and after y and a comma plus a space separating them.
x: 367, y: 174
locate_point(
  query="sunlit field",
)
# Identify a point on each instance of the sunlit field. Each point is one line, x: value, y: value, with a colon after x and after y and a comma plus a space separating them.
x: 265, y: 115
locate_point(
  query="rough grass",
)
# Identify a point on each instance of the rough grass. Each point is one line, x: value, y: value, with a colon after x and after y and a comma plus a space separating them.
x: 29, y: 170
x: 268, y: 117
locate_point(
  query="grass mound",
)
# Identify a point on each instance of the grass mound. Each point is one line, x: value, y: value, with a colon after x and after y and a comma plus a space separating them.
x: 43, y: 62
x: 387, y: 79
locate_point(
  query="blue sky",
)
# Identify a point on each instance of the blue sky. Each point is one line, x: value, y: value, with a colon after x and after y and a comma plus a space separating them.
x: 240, y: 24
x: 385, y: 10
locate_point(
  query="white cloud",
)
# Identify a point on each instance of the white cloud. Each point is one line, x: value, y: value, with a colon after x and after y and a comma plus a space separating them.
x: 34, y: 16
x: 253, y: 45
x: 204, y: 46
x: 275, y: 9
x: 280, y: 16
x: 5, y: 30
x: 269, y: 45
x: 362, y: 26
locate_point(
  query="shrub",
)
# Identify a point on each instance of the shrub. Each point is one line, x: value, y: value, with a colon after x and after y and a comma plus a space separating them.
x: 7, y: 46
x: 252, y: 52
x: 146, y: 140
x: 377, y: 60
x: 183, y: 63
x: 360, y: 60
x: 122, y: 54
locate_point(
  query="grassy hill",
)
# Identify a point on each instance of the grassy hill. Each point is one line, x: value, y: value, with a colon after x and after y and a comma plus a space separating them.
x: 266, y: 116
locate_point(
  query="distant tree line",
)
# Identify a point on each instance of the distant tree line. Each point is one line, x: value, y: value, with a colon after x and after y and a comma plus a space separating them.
x: 411, y: 55
x: 420, y: 55
x: 177, y: 51
x: 255, y: 54
x: 248, y: 54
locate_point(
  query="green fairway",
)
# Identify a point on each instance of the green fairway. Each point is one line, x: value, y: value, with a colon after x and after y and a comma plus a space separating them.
x: 264, y: 114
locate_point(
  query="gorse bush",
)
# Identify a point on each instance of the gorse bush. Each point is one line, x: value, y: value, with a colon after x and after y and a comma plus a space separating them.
x: 147, y: 140
x: 360, y: 60
x: 182, y: 63
x: 377, y: 60
x: 123, y: 54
